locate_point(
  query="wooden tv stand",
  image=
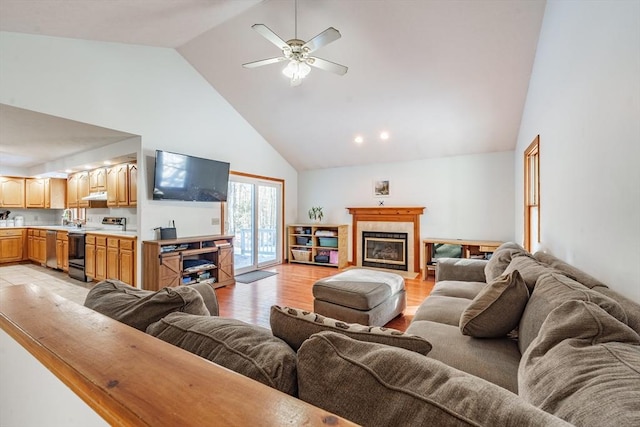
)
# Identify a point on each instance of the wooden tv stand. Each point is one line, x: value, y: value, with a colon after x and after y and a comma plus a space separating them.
x: 469, y: 249
x: 187, y: 260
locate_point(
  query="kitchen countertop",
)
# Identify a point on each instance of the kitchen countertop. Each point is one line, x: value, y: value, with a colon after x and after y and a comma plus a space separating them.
x: 89, y: 230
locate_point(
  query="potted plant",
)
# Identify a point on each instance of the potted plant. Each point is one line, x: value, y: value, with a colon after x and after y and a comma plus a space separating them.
x: 315, y: 213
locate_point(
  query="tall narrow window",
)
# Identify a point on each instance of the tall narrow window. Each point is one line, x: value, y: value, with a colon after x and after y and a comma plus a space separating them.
x: 532, y: 195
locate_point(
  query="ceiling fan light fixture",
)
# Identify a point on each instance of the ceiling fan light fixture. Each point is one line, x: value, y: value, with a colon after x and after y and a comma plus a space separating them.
x: 296, y: 70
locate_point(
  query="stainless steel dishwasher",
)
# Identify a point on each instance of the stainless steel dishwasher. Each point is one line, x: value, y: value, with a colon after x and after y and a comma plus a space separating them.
x: 52, y: 260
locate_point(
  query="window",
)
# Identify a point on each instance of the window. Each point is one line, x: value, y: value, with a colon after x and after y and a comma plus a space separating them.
x: 532, y: 195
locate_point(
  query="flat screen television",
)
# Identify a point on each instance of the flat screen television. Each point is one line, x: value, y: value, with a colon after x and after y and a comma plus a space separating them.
x: 189, y: 178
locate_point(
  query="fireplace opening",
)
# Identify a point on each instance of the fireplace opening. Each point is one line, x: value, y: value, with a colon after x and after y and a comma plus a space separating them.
x: 384, y: 250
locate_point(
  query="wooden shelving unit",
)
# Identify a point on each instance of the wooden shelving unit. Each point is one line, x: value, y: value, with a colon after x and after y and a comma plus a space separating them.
x: 305, y: 245
x: 469, y: 249
x: 188, y: 260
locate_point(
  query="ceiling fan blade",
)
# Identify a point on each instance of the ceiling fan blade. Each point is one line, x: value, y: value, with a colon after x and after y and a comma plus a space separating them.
x: 324, y: 38
x: 323, y: 64
x: 262, y: 62
x: 265, y: 32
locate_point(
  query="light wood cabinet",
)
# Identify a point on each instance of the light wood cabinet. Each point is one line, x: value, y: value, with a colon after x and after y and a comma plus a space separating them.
x: 12, y: 192
x: 90, y: 256
x: 62, y: 250
x: 133, y: 184
x: 122, y: 185
x: 12, y: 245
x: 37, y: 245
x: 319, y: 244
x: 47, y: 193
x: 188, y: 260
x: 77, y: 188
x: 110, y: 257
x: 98, y: 180
x: 465, y: 249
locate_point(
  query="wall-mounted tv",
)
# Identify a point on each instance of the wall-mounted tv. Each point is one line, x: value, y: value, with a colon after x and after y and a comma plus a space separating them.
x: 189, y: 178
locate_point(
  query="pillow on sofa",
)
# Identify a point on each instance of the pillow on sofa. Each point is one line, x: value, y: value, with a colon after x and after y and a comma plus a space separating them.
x: 584, y: 367
x: 501, y: 258
x: 139, y: 308
x: 497, y: 309
x: 530, y: 269
x: 294, y: 326
x: 378, y: 385
x: 247, y: 349
x: 551, y: 291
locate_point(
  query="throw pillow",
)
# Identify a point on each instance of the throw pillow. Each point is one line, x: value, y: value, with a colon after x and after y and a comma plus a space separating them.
x: 551, y: 291
x: 529, y: 269
x: 247, y: 349
x: 584, y: 367
x: 294, y: 326
x: 501, y: 258
x: 377, y: 385
x: 139, y: 308
x: 497, y: 309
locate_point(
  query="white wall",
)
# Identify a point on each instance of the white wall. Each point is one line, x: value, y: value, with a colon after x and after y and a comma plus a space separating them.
x: 584, y: 101
x: 146, y: 91
x: 466, y: 197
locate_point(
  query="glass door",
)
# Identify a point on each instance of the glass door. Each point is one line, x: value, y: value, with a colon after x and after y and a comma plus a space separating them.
x: 254, y: 217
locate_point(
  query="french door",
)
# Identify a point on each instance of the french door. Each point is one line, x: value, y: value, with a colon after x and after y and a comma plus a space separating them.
x: 254, y: 217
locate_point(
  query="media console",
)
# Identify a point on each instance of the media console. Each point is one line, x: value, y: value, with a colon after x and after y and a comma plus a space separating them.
x: 469, y: 249
x: 188, y: 260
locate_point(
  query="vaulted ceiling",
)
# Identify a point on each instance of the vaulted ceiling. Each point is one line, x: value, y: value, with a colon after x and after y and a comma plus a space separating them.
x: 442, y: 78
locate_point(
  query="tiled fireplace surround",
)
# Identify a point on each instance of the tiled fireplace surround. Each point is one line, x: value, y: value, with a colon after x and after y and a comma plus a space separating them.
x: 388, y: 219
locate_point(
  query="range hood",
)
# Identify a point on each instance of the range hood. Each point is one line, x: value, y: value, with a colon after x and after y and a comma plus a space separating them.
x: 100, y: 195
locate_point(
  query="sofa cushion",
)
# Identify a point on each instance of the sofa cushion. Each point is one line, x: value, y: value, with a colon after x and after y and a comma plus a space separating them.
x: 457, y: 289
x: 247, y: 349
x: 529, y: 269
x: 441, y: 309
x: 497, y: 309
x: 631, y: 308
x: 294, y: 326
x: 551, y: 291
x: 139, y: 308
x: 377, y: 385
x: 501, y: 258
x: 584, y: 367
x: 495, y: 360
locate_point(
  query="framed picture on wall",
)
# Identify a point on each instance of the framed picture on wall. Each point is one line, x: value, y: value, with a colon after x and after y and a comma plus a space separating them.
x: 381, y: 188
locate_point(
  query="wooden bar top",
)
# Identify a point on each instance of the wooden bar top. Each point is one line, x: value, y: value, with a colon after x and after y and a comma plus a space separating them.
x: 131, y: 378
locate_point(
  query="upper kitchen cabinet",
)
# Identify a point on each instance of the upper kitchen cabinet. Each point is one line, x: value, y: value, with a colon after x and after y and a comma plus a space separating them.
x: 98, y: 180
x: 122, y: 185
x: 11, y: 192
x: 77, y: 188
x: 47, y: 193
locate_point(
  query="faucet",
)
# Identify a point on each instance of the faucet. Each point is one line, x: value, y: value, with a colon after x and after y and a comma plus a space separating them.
x: 67, y: 216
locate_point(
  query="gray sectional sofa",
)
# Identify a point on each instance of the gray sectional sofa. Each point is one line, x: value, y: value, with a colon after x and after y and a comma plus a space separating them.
x: 522, y: 340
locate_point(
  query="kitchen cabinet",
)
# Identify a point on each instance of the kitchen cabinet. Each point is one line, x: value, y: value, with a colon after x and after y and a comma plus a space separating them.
x: 47, y: 193
x: 98, y: 180
x: 62, y: 250
x: 12, y: 191
x: 110, y: 257
x: 12, y: 245
x: 122, y: 185
x: 77, y: 188
x: 90, y: 256
x: 37, y: 245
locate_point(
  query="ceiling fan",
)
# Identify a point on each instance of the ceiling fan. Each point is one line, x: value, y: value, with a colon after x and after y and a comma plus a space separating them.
x: 297, y: 52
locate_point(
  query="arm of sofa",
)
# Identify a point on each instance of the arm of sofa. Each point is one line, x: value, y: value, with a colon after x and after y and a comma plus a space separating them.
x: 462, y: 269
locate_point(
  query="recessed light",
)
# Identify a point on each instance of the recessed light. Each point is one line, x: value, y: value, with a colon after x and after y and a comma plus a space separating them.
x: 68, y: 170
x: 107, y: 162
x: 358, y: 139
x: 384, y: 135
x: 88, y: 166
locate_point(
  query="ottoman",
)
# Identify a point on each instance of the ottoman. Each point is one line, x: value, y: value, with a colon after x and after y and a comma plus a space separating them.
x: 360, y: 295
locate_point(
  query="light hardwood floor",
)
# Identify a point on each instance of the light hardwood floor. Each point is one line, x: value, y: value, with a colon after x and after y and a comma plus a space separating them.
x: 249, y: 302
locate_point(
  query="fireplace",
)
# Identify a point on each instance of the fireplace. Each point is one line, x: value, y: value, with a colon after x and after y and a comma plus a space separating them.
x: 384, y: 250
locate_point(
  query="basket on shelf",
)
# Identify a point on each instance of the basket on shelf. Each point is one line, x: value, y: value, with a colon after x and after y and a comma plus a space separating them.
x: 328, y: 242
x: 301, y: 255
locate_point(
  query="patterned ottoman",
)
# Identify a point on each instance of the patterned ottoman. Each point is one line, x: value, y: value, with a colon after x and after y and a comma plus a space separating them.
x: 360, y: 295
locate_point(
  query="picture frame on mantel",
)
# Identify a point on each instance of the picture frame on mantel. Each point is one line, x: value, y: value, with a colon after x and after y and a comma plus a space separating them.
x: 381, y: 188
